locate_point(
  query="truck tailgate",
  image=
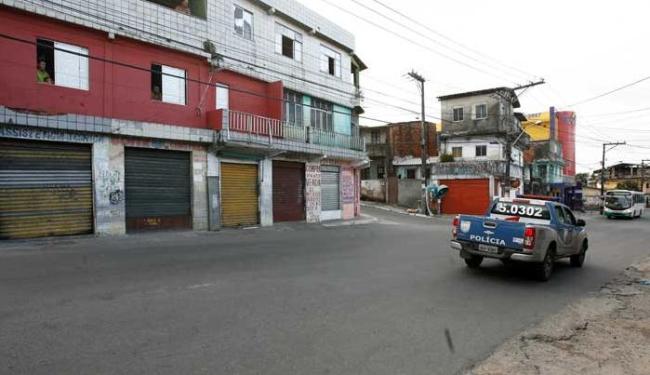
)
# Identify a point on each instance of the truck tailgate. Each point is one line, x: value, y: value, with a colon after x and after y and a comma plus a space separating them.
x: 484, y: 230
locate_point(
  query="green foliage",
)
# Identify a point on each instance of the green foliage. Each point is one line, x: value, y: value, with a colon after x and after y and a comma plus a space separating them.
x: 583, y: 178
x: 628, y: 185
x: 446, y: 158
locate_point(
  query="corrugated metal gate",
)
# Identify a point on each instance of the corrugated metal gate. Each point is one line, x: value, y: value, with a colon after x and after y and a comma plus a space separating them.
x: 470, y: 197
x: 239, y: 206
x: 330, y: 187
x: 158, y: 190
x: 45, y: 189
x: 288, y: 191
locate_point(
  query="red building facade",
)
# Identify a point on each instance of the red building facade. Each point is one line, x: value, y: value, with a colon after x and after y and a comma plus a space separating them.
x: 566, y: 122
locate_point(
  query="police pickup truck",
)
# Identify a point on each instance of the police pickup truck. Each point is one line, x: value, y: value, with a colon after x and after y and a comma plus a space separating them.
x: 522, y: 230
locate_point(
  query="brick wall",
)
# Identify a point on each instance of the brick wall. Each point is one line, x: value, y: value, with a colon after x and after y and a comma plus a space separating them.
x: 405, y: 139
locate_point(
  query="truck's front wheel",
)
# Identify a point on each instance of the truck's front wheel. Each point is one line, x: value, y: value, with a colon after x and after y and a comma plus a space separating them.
x: 474, y: 261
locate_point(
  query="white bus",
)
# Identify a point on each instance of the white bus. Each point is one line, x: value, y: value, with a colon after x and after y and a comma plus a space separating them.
x: 624, y: 203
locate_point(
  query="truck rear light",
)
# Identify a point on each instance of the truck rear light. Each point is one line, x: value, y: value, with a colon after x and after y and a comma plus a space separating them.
x: 455, y: 225
x: 529, y: 238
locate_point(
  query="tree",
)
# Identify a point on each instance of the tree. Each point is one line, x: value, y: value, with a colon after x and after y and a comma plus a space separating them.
x: 582, y: 178
x: 628, y: 185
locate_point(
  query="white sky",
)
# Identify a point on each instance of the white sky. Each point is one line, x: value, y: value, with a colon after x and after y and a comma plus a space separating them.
x: 580, y: 48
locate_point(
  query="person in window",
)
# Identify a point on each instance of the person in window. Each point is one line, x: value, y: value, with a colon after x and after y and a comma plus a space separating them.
x: 183, y: 7
x: 42, y: 76
x: 156, y: 94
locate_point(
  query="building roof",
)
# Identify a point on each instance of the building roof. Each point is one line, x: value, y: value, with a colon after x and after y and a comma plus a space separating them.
x: 515, y: 99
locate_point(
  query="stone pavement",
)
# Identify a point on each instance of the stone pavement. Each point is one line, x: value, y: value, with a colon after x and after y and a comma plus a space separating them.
x: 607, y: 334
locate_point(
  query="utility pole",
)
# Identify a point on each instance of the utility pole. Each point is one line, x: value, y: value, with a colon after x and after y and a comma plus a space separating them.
x: 510, y: 97
x: 643, y: 175
x: 602, y: 172
x: 423, y: 141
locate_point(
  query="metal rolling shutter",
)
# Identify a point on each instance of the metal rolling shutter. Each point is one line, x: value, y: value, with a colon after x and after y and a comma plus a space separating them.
x: 45, y: 189
x: 288, y: 191
x: 158, y: 190
x: 238, y: 194
x: 330, y: 196
x: 470, y: 197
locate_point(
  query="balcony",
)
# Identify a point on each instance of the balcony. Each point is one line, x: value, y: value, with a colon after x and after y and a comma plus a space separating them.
x: 477, y: 168
x: 240, y: 127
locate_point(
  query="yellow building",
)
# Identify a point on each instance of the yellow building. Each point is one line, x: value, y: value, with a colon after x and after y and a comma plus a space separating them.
x: 538, y: 126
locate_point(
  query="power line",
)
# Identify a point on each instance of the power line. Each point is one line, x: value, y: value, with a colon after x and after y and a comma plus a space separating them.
x: 383, y: 28
x: 610, y: 92
x: 427, y: 27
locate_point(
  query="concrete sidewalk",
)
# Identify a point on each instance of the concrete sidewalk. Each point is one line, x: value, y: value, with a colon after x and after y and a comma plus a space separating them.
x: 607, y: 334
x: 405, y: 211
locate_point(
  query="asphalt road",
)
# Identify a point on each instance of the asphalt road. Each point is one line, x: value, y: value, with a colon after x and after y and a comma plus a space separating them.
x: 297, y: 299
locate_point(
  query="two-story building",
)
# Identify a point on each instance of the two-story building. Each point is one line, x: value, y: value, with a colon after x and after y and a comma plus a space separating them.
x: 133, y: 115
x: 481, y: 151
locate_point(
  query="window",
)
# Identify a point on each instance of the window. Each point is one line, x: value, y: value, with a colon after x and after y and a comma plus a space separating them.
x: 410, y: 173
x: 288, y: 43
x: 168, y: 84
x: 570, y: 219
x: 559, y: 212
x: 321, y: 115
x: 330, y: 62
x: 457, y: 152
x: 458, y: 114
x: 243, y: 23
x: 62, y: 64
x: 195, y: 8
x: 481, y: 150
x: 480, y: 111
x: 293, y: 109
x: 380, y: 172
x: 223, y: 97
x: 374, y: 137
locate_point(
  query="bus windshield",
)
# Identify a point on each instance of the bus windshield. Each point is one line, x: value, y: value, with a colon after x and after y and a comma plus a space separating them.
x: 618, y: 202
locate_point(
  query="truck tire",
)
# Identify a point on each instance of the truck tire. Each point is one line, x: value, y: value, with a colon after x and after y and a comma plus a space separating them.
x: 544, y: 270
x: 579, y: 259
x: 474, y: 261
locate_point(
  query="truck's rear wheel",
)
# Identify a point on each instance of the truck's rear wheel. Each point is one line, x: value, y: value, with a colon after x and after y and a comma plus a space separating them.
x: 474, y: 261
x: 545, y: 269
x: 579, y: 259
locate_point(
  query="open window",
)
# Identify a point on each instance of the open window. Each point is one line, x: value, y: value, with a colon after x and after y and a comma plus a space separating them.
x: 330, y: 62
x: 195, y: 8
x: 243, y: 22
x: 62, y: 64
x: 288, y: 43
x: 481, y: 150
x: 457, y: 152
x: 168, y: 84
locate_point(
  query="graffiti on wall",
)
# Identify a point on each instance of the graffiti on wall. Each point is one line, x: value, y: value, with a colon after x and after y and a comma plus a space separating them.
x: 347, y: 186
x: 109, y: 186
x: 312, y: 192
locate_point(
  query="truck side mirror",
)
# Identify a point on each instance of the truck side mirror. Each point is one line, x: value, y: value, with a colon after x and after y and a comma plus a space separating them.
x: 580, y: 223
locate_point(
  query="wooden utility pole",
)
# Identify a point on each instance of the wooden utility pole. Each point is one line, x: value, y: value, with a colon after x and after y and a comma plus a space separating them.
x: 602, y: 173
x: 423, y: 141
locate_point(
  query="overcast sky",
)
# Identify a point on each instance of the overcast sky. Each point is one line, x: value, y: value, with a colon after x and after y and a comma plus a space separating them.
x: 582, y: 49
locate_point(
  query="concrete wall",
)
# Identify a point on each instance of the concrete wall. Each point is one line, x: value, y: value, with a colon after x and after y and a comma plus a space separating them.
x: 409, y: 193
x: 470, y: 123
x: 266, y: 192
x: 373, y: 190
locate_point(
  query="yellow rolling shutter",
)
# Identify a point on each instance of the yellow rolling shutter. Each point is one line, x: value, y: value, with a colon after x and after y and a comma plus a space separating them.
x: 45, y: 189
x: 238, y: 195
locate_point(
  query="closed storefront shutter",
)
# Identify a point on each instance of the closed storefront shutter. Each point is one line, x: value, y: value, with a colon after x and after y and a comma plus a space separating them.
x: 239, y: 205
x: 330, y: 180
x: 470, y: 197
x: 158, y: 189
x: 45, y: 189
x: 288, y: 191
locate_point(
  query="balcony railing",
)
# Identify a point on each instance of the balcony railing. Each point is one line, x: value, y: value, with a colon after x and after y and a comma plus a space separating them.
x: 275, y: 131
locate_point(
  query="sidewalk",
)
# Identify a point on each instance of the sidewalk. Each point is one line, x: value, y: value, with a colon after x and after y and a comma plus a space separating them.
x: 404, y: 211
x: 607, y: 334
